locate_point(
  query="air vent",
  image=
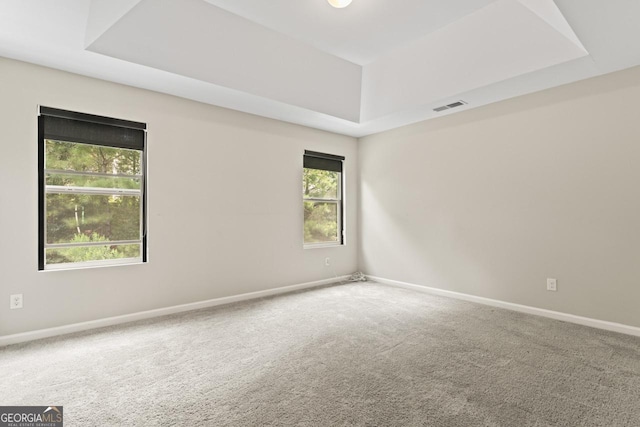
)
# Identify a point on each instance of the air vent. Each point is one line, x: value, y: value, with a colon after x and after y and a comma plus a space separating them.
x: 449, y: 106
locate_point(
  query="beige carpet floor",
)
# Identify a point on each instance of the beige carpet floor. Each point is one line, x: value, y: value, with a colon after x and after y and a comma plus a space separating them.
x: 361, y: 354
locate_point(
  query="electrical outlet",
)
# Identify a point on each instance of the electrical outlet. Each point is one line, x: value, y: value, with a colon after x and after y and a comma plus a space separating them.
x: 15, y: 301
x: 552, y: 285
x: 327, y: 261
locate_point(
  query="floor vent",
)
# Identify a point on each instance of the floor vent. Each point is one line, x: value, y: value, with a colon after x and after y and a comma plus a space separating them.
x: 450, y: 106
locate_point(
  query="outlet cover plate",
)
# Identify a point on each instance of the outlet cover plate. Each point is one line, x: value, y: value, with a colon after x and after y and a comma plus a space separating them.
x: 15, y: 301
x: 552, y: 285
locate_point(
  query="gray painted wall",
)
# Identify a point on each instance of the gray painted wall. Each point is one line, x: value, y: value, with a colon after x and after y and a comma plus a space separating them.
x: 221, y: 221
x: 492, y: 201
x: 488, y: 202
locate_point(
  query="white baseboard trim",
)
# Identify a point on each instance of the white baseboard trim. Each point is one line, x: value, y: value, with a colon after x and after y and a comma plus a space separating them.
x: 126, y: 318
x: 565, y: 317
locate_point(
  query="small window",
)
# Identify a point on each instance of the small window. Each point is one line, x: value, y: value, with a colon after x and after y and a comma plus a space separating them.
x: 92, y: 181
x: 322, y: 189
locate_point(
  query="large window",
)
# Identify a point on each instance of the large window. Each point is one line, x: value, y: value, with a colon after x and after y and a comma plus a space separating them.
x: 322, y: 198
x: 92, y: 190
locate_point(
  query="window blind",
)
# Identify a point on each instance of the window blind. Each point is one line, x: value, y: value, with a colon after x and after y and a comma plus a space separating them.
x: 70, y: 126
x: 329, y: 162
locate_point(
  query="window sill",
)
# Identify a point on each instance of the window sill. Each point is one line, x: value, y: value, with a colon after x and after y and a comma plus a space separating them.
x: 323, y: 245
x: 92, y: 264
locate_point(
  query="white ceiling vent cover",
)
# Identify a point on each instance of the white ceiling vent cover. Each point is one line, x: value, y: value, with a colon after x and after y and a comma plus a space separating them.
x: 450, y: 106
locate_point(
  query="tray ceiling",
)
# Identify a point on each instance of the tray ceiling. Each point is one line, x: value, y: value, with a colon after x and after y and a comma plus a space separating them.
x: 372, y: 66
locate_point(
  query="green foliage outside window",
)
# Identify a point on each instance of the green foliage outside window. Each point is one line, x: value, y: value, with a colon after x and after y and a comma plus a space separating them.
x: 72, y: 217
x: 321, y: 214
x: 91, y: 253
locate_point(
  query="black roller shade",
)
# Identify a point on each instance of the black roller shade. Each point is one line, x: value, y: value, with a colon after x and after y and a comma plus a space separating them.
x: 328, y: 162
x: 70, y: 126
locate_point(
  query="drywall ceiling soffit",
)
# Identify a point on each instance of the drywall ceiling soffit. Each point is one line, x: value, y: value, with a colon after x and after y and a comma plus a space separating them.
x: 192, y: 38
x: 501, y: 41
x: 57, y: 34
x: 195, y: 39
x: 103, y: 14
x: 608, y: 29
x: 359, y: 33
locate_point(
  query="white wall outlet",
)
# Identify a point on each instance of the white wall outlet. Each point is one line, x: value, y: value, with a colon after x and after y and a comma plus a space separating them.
x: 552, y: 285
x: 327, y: 261
x: 15, y: 301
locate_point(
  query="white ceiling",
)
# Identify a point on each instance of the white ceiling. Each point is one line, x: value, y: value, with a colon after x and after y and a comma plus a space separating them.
x: 359, y: 33
x: 372, y: 66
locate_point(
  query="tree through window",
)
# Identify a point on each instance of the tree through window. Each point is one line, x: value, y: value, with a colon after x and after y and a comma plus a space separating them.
x: 322, y: 199
x: 92, y: 181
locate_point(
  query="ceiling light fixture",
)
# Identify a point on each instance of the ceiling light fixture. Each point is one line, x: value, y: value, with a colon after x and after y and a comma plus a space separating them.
x: 339, y: 3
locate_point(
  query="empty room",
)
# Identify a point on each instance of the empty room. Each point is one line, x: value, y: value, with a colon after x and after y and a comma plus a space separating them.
x: 320, y: 213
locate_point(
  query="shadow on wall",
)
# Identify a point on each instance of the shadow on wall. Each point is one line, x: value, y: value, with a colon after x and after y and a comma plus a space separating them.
x: 415, y: 241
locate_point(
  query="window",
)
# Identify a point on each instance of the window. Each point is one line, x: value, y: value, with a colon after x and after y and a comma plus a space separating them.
x: 322, y: 190
x: 92, y: 181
